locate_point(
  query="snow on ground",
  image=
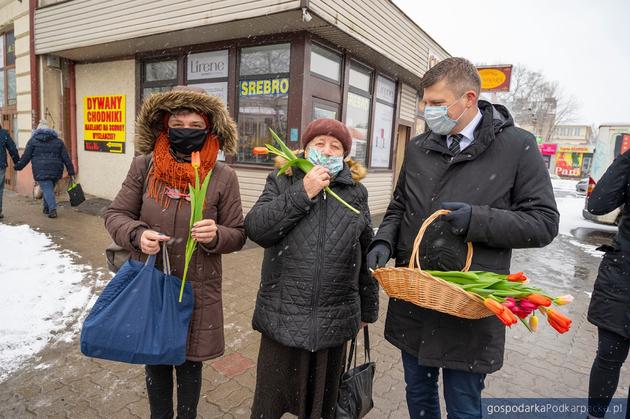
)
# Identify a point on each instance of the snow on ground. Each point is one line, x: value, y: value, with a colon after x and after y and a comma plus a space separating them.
x: 570, y: 205
x: 564, y: 185
x: 41, y: 291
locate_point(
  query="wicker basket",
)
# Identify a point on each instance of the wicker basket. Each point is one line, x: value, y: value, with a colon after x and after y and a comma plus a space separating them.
x: 418, y: 287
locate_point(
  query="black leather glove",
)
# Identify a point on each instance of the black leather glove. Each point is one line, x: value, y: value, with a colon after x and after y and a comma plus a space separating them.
x: 378, y: 256
x: 459, y: 217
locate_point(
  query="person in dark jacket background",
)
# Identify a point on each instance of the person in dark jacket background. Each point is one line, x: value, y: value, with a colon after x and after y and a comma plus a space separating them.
x: 609, y: 309
x: 490, y: 174
x: 49, y: 155
x: 316, y: 292
x: 6, y: 144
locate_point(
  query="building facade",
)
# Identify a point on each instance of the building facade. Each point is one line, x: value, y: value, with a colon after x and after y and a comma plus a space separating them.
x: 15, y: 82
x: 571, y: 151
x: 276, y: 64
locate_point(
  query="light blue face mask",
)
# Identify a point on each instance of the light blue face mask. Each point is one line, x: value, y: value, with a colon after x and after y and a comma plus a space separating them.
x: 332, y: 163
x: 438, y: 120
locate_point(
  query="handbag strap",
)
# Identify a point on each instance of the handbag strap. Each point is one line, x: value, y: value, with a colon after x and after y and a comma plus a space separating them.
x: 166, y: 263
x: 352, y: 356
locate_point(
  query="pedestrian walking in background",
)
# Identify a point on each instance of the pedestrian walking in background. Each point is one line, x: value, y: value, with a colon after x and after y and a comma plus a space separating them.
x: 490, y: 174
x: 609, y: 309
x: 152, y: 207
x: 6, y: 144
x: 48, y: 156
x: 316, y: 291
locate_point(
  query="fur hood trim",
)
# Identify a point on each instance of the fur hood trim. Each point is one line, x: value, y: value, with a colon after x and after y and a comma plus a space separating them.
x: 150, y: 120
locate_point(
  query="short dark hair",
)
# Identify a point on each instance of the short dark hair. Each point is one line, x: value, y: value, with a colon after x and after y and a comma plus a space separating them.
x: 460, y: 74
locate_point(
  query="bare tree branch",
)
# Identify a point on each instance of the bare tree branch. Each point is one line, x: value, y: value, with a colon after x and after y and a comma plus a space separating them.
x: 536, y: 103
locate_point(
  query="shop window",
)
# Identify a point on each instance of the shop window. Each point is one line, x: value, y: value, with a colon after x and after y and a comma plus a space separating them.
x: 263, y: 92
x: 160, y: 70
x: 159, y: 76
x: 209, y: 70
x: 8, y: 92
x: 358, y: 107
x: 325, y: 63
x: 358, y: 122
x: 380, y: 155
x: 360, y: 79
x: 323, y: 109
x: 265, y: 59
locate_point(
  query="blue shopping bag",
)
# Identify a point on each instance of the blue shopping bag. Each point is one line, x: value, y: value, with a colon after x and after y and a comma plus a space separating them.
x: 138, y: 319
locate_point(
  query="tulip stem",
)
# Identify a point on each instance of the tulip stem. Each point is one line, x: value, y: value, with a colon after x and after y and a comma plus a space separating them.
x: 526, y: 325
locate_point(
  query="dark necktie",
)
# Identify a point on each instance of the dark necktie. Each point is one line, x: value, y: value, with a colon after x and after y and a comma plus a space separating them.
x: 454, y: 147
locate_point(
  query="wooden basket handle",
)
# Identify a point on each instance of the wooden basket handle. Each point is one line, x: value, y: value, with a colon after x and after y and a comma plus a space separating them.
x: 415, y: 255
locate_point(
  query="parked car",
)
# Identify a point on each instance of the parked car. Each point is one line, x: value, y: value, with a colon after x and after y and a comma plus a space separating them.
x: 582, y: 186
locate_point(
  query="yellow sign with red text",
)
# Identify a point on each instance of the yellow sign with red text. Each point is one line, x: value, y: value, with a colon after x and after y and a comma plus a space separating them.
x: 104, y: 123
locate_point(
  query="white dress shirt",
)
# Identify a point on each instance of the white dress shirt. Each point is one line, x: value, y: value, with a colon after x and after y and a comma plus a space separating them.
x: 468, y: 133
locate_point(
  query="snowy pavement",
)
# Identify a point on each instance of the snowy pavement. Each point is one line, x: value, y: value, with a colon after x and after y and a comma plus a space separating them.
x: 43, y: 293
x: 49, y: 281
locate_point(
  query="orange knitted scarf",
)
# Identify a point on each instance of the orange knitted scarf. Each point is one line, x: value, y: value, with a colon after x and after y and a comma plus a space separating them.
x: 168, y: 172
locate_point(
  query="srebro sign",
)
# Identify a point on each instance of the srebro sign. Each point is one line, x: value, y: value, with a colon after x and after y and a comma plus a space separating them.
x: 104, y: 123
x: 271, y: 87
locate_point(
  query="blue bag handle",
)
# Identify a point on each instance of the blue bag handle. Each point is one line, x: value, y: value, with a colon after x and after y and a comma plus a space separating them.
x: 166, y: 264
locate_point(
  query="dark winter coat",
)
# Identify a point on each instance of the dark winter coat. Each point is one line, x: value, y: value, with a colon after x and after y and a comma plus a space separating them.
x: 48, y: 155
x: 315, y: 286
x: 7, y: 144
x: 610, y: 302
x: 133, y: 211
x: 503, y: 176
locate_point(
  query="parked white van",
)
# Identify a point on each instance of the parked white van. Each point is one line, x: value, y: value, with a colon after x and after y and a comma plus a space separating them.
x: 612, y: 140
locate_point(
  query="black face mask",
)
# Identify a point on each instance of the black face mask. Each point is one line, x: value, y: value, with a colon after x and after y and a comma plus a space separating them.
x: 187, y: 140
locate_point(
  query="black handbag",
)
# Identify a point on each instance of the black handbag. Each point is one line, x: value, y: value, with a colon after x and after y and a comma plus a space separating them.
x: 116, y: 256
x: 355, y: 389
x: 75, y: 192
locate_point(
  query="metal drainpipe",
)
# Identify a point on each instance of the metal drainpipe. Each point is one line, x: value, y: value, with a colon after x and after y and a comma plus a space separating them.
x: 73, y: 116
x: 32, y: 6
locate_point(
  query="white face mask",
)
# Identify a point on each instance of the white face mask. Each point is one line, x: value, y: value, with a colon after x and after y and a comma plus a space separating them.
x: 438, y: 120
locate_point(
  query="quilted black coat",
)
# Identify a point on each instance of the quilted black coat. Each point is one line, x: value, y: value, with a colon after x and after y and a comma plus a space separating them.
x: 315, y: 286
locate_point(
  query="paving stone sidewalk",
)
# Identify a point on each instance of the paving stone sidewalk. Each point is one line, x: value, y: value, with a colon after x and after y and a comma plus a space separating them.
x: 60, y: 382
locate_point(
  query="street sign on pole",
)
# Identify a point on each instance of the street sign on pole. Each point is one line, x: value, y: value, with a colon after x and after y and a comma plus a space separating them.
x: 495, y: 78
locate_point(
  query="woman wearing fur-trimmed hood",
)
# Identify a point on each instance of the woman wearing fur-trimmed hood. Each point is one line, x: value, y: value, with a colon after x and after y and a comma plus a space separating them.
x: 153, y: 200
x: 315, y: 292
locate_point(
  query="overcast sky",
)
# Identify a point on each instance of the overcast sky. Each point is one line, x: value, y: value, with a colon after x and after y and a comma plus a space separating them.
x: 583, y: 44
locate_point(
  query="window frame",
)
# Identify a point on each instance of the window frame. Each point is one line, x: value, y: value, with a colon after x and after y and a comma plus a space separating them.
x: 331, y: 51
x: 5, y: 104
x: 263, y: 76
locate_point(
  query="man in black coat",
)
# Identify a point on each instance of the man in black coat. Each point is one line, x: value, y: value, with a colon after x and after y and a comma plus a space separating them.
x: 490, y: 174
x: 6, y: 144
